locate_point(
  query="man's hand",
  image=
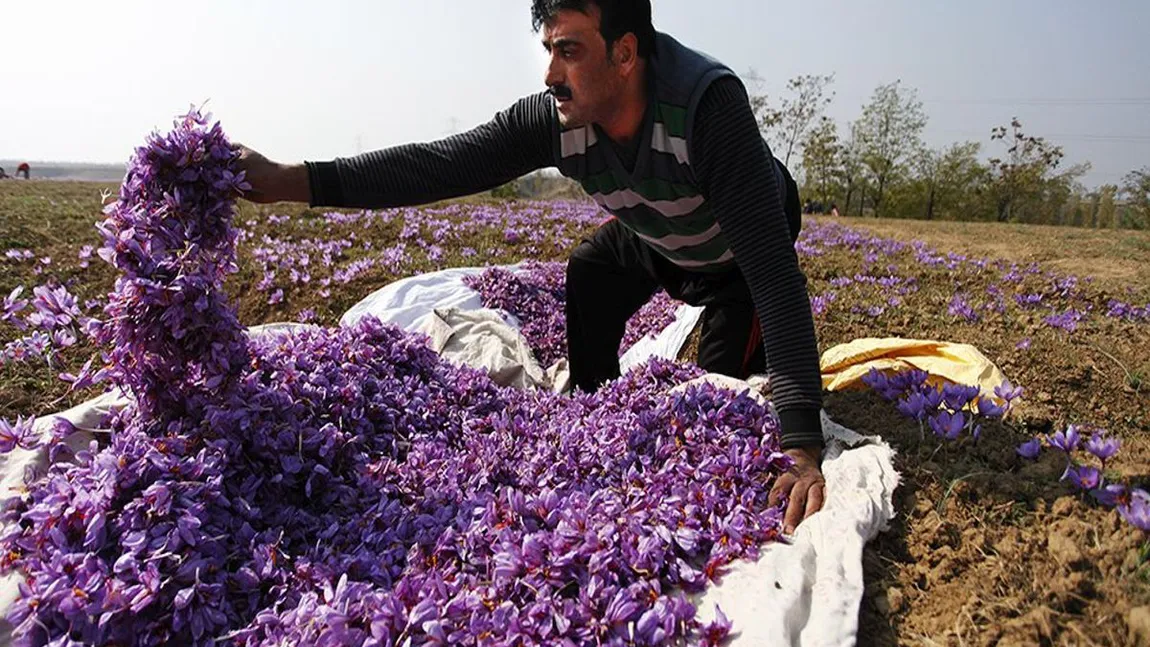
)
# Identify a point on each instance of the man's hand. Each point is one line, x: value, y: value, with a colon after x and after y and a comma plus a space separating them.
x: 272, y: 182
x: 803, y: 486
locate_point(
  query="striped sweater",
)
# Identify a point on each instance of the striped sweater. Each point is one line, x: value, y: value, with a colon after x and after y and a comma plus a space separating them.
x: 733, y: 168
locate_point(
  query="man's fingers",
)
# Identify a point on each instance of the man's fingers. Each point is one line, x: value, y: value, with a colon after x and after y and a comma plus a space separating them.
x: 816, y: 494
x: 795, y: 508
x: 783, y: 485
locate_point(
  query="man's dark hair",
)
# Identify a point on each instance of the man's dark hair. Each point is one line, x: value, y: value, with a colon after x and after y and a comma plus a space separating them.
x: 617, y: 17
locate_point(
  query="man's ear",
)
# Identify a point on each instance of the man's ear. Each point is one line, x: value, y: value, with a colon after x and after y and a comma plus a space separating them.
x: 625, y: 51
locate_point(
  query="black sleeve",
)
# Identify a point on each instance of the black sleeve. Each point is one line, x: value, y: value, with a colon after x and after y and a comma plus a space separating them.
x: 516, y: 141
x: 737, y: 174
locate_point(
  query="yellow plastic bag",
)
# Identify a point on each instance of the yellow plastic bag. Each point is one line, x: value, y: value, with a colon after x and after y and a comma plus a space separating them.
x: 843, y: 366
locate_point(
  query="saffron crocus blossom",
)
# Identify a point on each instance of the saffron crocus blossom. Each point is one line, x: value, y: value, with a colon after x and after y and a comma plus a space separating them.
x: 12, y: 306
x: 717, y: 630
x: 948, y: 425
x: 17, y: 434
x: 876, y: 379
x: 54, y: 307
x: 86, y: 378
x: 1030, y: 449
x: 1084, y: 477
x: 1102, y: 447
x: 913, y: 405
x: 988, y: 408
x: 957, y: 396
x: 1111, y: 494
x: 1066, y: 441
x: 1136, y: 511
x: 1008, y: 391
x: 933, y: 397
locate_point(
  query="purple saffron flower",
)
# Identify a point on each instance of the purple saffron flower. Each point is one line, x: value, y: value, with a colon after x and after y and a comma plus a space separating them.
x: 1084, y: 477
x: 63, y: 338
x: 913, y: 406
x: 1102, y: 447
x: 1008, y: 391
x: 717, y: 630
x: 1111, y: 494
x: 1066, y: 441
x: 821, y: 302
x: 957, y: 396
x: 961, y: 308
x: 1023, y: 344
x: 876, y: 380
x: 1067, y: 321
x: 1030, y: 449
x: 86, y: 377
x: 12, y: 306
x: 18, y: 434
x: 54, y: 307
x: 932, y: 396
x: 948, y: 425
x: 988, y: 408
x: 1137, y: 511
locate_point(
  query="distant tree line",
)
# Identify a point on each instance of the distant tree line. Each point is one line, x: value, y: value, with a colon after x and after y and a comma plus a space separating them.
x: 880, y: 166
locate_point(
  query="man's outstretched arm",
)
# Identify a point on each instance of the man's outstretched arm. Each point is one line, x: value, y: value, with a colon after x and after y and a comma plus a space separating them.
x: 516, y: 141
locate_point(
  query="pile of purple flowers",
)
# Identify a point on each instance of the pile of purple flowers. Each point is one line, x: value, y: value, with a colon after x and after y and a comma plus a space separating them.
x: 948, y: 411
x: 536, y: 295
x: 176, y: 343
x: 1133, y: 504
x: 347, y: 487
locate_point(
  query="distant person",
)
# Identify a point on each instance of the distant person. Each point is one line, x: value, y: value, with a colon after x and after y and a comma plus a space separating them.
x: 23, y: 168
x: 3, y: 175
x: 834, y: 210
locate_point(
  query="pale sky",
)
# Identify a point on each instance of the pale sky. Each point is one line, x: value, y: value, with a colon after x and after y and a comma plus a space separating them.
x: 87, y: 80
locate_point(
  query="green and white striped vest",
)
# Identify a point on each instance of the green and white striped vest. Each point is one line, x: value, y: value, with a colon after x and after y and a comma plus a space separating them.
x: 660, y: 199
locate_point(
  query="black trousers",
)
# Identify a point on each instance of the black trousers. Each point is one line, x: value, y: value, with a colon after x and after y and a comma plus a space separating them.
x: 614, y: 273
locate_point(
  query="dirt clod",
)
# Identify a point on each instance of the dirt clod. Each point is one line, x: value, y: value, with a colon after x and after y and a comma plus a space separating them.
x: 1138, y: 624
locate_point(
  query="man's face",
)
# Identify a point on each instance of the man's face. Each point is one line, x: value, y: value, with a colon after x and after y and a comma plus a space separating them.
x: 585, y: 84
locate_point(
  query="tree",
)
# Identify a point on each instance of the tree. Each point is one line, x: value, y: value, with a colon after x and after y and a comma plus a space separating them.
x: 1136, y: 191
x: 927, y: 163
x: 1107, y: 214
x: 850, y: 167
x: 785, y: 126
x: 890, y: 128
x: 1020, y: 174
x: 805, y: 104
x: 821, y: 158
x: 961, y: 180
x: 766, y: 116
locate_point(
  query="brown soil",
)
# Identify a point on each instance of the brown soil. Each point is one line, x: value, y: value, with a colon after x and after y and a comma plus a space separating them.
x: 987, y: 548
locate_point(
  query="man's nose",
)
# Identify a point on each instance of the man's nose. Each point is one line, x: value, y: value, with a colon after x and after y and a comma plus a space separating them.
x: 554, y: 74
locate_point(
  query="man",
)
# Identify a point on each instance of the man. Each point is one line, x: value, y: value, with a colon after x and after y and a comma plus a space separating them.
x: 23, y: 169
x: 662, y: 137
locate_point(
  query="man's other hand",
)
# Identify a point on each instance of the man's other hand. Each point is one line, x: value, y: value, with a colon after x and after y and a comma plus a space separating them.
x: 803, y: 485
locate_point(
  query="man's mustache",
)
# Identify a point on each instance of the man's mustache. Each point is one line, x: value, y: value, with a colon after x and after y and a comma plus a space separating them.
x: 560, y: 91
